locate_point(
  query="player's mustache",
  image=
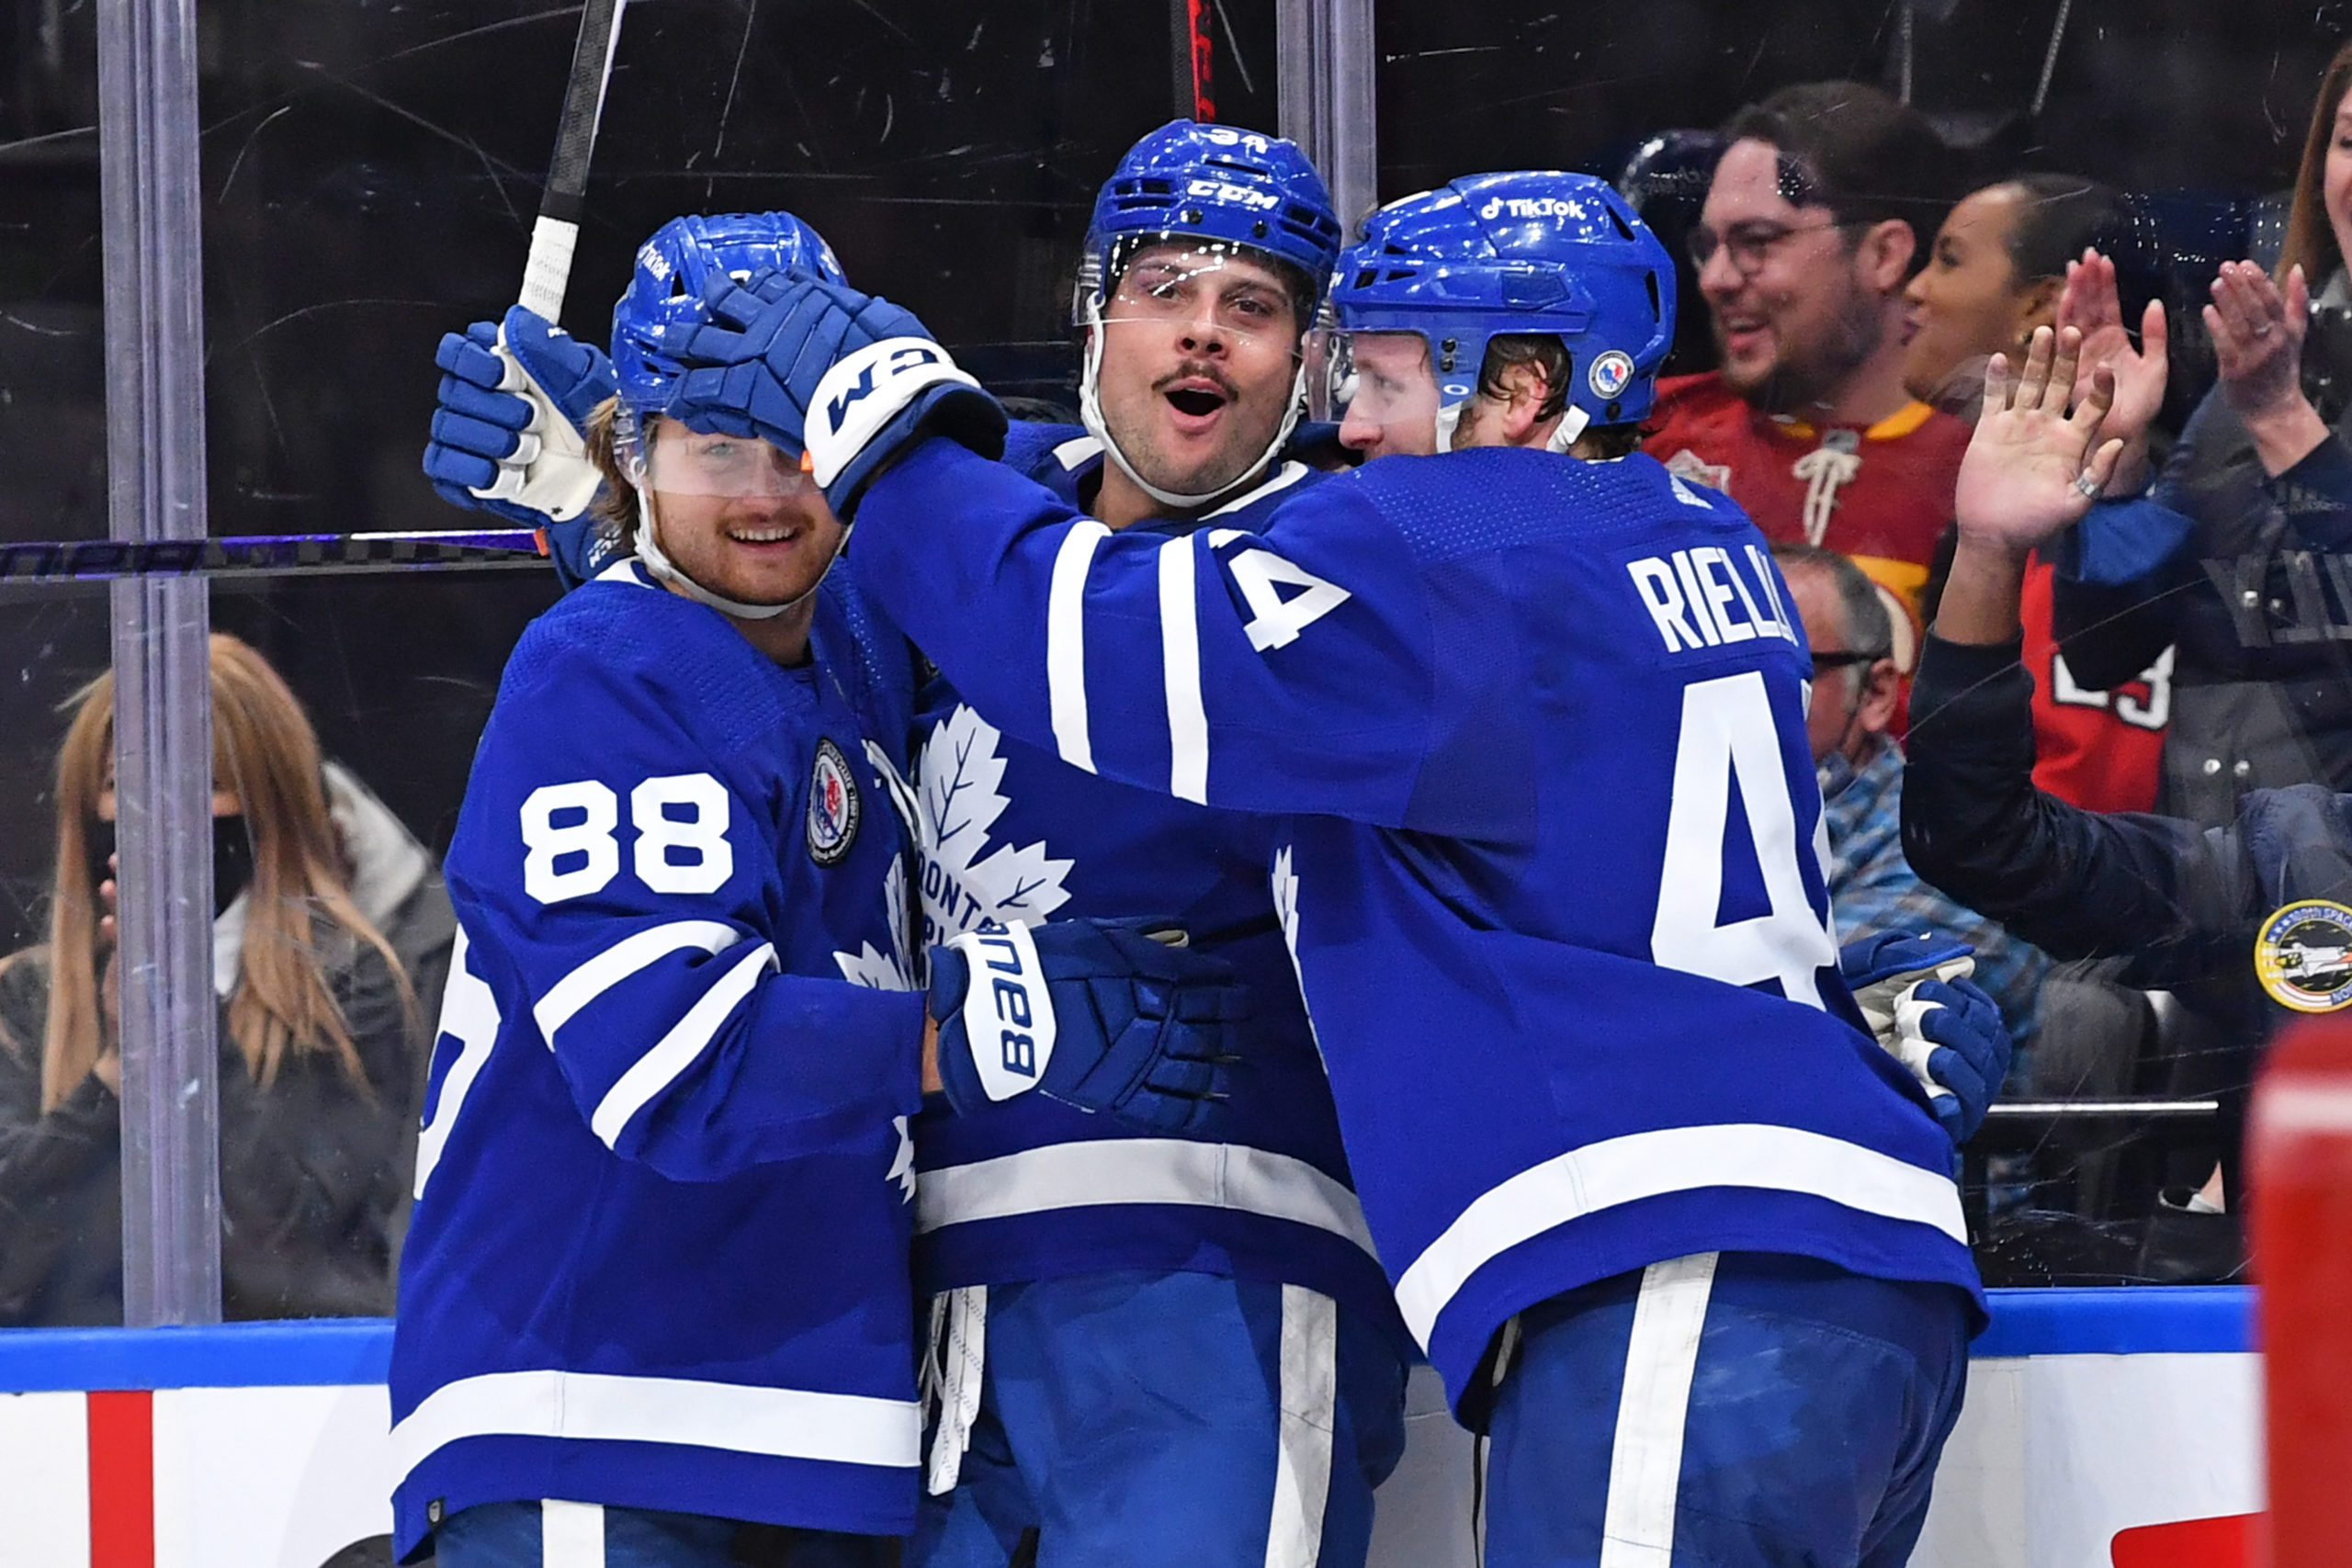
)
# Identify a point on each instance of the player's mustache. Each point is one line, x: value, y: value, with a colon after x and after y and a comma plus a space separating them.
x: 1193, y: 369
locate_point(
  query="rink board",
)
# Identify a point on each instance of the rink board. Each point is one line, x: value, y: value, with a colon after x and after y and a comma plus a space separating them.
x: 262, y: 1445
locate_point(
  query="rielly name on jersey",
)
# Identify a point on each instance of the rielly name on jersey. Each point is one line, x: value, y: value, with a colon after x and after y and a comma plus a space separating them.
x: 1034, y: 1190
x: 1555, y: 879
x: 660, y: 1249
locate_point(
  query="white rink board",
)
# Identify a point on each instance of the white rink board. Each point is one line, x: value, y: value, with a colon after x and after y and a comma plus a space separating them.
x: 2054, y: 1453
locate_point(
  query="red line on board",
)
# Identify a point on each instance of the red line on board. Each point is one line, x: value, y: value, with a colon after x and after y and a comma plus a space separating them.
x: 122, y: 1479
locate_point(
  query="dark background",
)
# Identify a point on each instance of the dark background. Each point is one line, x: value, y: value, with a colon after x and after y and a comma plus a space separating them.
x: 370, y: 170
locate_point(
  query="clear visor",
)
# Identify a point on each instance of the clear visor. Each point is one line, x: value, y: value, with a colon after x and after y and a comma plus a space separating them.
x: 679, y: 461
x: 1383, y: 380
x: 1214, y: 290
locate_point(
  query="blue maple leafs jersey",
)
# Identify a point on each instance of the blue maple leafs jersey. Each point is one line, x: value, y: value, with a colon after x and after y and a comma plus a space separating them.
x: 1033, y: 1189
x: 659, y: 1256
x: 1551, y: 870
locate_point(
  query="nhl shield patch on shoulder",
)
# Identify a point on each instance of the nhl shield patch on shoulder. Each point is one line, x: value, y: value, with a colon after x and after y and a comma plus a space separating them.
x: 833, y: 805
x: 2303, y: 955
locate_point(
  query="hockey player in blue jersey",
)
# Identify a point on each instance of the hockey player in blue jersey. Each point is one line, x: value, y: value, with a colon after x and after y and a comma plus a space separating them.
x: 1550, y: 867
x: 1177, y: 1348
x: 656, y: 1282
x: 1174, y: 1350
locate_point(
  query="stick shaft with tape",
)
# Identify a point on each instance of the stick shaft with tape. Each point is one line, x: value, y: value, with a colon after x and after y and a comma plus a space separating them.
x: 268, y: 554
x: 555, y: 234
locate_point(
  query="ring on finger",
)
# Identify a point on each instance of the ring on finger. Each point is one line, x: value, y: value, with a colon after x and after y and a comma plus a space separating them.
x: 2263, y: 331
x: 2087, y: 486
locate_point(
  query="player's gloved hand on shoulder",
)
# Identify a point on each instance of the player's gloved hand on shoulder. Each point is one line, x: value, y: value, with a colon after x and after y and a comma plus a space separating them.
x: 1096, y: 1013
x: 1915, y: 993
x: 514, y: 397
x: 851, y: 378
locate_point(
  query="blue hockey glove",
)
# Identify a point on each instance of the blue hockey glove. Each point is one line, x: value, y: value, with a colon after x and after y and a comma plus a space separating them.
x: 1950, y: 1035
x: 1094, y: 1013
x: 1915, y: 994
x: 848, y: 378
x: 506, y: 431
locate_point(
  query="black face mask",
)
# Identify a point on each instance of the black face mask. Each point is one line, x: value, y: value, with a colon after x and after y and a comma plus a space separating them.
x: 233, y: 858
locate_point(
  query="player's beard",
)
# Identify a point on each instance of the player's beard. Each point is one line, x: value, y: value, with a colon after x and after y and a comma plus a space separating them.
x: 1806, y: 377
x: 1241, y: 445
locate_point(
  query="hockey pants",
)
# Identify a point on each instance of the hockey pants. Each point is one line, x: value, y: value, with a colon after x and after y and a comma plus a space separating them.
x: 1730, y: 1410
x: 1170, y: 1420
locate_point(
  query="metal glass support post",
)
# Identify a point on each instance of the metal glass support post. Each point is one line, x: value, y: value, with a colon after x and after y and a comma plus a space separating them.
x: 1325, y: 100
x: 1325, y: 97
x: 163, y: 735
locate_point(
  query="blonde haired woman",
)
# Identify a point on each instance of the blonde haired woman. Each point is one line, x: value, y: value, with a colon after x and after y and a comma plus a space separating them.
x: 318, y: 1037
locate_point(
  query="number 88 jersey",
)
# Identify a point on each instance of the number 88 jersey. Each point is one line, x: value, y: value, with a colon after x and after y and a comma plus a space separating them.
x: 660, y: 1234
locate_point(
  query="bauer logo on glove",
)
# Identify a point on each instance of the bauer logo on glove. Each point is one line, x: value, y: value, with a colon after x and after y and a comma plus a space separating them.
x: 1010, y: 1007
x: 1104, y: 1015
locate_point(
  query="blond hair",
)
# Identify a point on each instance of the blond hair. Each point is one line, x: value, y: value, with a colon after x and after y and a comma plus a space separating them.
x: 263, y: 751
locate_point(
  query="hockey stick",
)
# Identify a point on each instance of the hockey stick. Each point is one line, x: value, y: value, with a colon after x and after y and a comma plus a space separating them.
x: 269, y: 555
x: 556, y: 229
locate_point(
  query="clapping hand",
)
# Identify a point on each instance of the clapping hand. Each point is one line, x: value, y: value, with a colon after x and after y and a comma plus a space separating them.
x: 2033, y: 466
x: 2091, y: 303
x: 2258, y: 330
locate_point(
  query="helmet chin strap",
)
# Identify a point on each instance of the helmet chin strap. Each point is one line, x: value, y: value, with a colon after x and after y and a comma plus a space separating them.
x: 1089, y: 414
x: 658, y: 562
x: 1573, y: 420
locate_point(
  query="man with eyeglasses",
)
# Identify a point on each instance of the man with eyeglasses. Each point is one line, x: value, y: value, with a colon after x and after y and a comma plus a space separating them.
x: 1856, y: 692
x: 1820, y: 211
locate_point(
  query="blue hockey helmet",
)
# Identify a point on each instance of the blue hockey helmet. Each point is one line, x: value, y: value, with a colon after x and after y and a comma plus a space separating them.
x: 657, y: 313
x: 1220, y: 190
x: 658, y: 370
x: 1220, y: 185
x: 1529, y: 251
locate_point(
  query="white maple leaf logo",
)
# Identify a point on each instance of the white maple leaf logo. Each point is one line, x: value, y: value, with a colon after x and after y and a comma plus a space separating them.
x: 902, y: 1167
x: 1285, y: 888
x: 895, y: 970
x: 963, y: 887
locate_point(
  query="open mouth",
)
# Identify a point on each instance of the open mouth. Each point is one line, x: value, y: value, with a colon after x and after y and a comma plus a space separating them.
x: 1196, y: 401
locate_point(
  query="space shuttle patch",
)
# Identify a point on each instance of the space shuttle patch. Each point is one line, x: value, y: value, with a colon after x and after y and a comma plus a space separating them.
x: 2303, y: 955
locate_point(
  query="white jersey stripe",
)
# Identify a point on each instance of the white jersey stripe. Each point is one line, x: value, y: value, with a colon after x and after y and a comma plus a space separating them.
x: 1139, y: 1170
x: 1179, y: 658
x: 621, y: 960
x: 1065, y: 641
x: 783, y: 1422
x: 572, y: 1535
x: 1309, y: 1394
x: 1671, y: 1159
x: 676, y: 1051
x: 1646, y: 1459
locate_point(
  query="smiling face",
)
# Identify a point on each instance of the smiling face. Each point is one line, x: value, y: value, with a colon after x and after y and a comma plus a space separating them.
x: 2335, y: 183
x: 1792, y: 314
x: 1968, y: 302
x: 739, y: 516
x: 1199, y: 359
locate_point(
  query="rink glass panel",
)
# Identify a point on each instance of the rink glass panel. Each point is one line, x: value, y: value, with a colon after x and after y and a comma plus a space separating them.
x: 368, y: 177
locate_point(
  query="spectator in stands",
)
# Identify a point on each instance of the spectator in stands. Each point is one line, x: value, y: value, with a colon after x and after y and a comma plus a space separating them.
x: 2243, y: 559
x: 1855, y: 689
x: 319, y: 1028
x: 2242, y: 924
x: 1818, y: 216
x: 1998, y: 269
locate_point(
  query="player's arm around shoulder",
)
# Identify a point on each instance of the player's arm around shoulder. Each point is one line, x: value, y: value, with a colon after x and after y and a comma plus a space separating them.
x: 621, y: 855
